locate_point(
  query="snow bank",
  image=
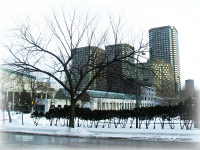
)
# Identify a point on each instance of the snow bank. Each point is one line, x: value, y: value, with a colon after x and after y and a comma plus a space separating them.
x: 74, y: 132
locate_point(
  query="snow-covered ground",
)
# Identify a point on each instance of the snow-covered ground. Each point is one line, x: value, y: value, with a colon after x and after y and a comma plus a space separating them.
x: 157, y: 134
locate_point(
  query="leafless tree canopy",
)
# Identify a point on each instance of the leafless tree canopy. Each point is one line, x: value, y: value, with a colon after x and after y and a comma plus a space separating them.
x: 52, y: 49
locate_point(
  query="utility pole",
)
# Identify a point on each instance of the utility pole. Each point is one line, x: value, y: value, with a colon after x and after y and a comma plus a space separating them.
x: 137, y: 105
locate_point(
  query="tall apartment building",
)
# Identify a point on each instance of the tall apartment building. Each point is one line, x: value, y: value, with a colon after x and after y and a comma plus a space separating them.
x: 163, y: 44
x: 84, y: 59
x: 119, y: 69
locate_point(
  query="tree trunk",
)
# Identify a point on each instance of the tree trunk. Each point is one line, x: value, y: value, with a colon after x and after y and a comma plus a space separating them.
x: 10, y: 119
x: 22, y: 118
x: 72, y: 114
x: 4, y: 116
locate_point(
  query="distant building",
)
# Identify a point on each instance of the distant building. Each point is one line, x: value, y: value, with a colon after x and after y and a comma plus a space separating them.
x: 119, y: 69
x: 189, y: 84
x: 189, y: 88
x: 163, y: 44
x: 84, y: 59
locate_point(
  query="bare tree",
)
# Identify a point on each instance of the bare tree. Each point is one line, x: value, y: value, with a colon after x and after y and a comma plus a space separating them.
x: 52, y: 51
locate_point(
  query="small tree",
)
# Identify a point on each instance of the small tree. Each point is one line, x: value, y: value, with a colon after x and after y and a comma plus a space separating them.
x: 36, y: 117
x: 172, y: 113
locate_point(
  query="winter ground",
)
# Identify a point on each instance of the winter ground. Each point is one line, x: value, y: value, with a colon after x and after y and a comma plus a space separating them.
x: 157, y: 134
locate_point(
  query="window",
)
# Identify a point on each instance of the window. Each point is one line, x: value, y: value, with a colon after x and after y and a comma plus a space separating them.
x: 99, y: 106
x: 122, y: 106
x: 103, y: 106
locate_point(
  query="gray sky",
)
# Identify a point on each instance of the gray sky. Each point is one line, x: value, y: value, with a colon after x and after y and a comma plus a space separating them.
x: 183, y: 14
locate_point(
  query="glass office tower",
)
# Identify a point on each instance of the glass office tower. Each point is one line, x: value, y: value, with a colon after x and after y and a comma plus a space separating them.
x: 85, y: 59
x: 163, y: 44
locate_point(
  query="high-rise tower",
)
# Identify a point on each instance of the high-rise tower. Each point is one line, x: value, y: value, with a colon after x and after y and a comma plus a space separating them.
x: 119, y: 71
x: 87, y: 59
x: 163, y: 44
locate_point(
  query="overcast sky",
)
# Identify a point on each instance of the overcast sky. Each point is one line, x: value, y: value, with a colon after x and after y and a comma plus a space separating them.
x: 183, y: 14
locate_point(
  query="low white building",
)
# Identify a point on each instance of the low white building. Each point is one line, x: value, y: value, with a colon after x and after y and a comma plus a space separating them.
x: 100, y: 100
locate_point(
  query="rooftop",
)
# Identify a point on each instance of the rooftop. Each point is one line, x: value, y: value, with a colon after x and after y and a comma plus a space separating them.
x: 96, y: 94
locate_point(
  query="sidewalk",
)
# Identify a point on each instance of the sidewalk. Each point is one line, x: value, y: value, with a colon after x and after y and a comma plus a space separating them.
x: 121, y: 133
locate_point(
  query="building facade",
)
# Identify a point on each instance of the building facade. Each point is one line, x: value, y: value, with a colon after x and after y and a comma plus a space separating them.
x: 100, y: 100
x: 163, y: 44
x: 158, y: 74
x: 11, y: 84
x: 189, y: 84
x: 87, y: 59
